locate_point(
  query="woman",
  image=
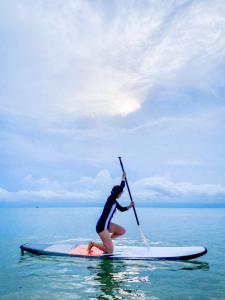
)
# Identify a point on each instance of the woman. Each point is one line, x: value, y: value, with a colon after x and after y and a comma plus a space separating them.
x: 106, y: 229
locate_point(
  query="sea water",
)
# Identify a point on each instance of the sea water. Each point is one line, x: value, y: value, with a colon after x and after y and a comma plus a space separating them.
x: 43, y: 277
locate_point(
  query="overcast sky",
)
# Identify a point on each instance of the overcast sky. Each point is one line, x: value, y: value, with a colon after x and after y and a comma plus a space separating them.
x: 82, y: 82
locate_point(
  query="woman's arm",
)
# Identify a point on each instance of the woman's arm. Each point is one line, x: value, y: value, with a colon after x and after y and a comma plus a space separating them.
x: 121, y: 208
x: 122, y: 184
x: 124, y: 208
x: 123, y: 176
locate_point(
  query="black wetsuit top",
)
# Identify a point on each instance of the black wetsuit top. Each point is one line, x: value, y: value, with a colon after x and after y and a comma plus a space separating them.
x: 109, y: 209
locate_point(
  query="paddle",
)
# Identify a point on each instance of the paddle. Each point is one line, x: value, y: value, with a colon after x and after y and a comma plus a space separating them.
x: 135, y: 213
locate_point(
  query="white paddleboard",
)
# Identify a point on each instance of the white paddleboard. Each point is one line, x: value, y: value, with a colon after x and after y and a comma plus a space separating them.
x: 120, y: 252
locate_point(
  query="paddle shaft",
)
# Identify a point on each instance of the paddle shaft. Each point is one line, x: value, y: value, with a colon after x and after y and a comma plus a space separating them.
x: 135, y: 213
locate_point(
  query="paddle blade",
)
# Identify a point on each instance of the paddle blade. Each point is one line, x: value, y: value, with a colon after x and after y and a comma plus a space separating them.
x: 143, y: 237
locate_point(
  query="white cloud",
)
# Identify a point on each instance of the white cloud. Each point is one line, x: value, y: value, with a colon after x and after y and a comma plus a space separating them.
x: 85, y: 58
x: 207, y: 119
x: 86, y: 190
x: 41, y: 183
x: 101, y: 182
x: 65, y: 61
x: 102, y: 179
x: 3, y: 193
x: 160, y: 188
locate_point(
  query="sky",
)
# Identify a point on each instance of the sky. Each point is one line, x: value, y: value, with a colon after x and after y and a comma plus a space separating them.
x: 83, y: 82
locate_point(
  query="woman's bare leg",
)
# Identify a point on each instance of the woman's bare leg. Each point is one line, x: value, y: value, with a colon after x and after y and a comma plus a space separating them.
x: 106, y: 245
x: 116, y: 230
x: 97, y: 245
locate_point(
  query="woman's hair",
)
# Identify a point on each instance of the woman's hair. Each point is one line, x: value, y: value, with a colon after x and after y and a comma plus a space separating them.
x: 116, y: 190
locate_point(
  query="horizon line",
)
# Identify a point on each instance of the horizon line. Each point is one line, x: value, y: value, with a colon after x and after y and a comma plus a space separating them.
x: 97, y: 205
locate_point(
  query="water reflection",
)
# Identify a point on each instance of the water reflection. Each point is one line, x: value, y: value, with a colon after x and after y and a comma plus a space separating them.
x: 114, y: 280
x: 171, y: 265
x: 104, y: 279
x: 108, y: 283
x: 194, y: 265
x: 130, y: 280
x: 118, y: 269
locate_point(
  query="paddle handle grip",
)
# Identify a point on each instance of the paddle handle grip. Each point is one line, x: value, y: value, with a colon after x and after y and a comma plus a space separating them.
x: 135, y: 213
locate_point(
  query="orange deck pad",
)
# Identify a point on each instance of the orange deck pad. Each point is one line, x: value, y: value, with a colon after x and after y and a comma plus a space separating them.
x: 82, y: 250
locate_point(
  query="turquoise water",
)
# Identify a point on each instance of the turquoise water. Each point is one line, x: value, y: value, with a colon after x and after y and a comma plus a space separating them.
x: 40, y: 277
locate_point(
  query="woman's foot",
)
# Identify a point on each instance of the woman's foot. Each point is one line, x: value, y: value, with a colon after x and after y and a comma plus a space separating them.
x: 90, y: 245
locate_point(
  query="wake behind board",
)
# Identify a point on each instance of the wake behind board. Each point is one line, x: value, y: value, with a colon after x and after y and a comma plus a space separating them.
x: 120, y: 252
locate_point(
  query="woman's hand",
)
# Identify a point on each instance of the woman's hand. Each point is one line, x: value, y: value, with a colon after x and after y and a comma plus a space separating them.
x: 130, y: 205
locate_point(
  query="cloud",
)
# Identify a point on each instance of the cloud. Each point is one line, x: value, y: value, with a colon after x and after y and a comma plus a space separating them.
x: 160, y: 188
x: 4, y: 193
x: 41, y: 183
x: 87, y: 190
x: 101, y: 181
x: 76, y: 58
x: 71, y: 69
x: 84, y: 190
x: 207, y: 119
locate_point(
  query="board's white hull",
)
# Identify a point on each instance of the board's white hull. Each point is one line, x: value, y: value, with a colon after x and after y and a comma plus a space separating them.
x: 120, y: 252
x: 157, y: 252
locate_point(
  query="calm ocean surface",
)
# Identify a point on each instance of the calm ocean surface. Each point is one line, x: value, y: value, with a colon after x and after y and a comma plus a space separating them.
x: 42, y: 277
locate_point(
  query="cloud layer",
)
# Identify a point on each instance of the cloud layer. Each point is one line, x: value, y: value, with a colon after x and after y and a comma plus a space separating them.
x: 82, y: 82
x: 147, y: 191
x: 91, y: 58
